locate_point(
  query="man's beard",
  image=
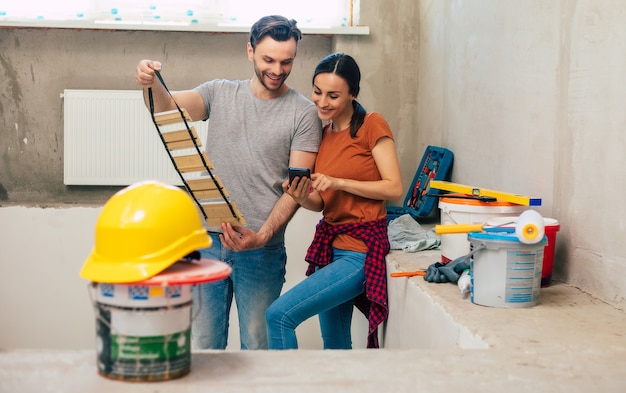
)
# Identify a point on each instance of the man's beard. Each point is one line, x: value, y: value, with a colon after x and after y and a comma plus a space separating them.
x: 261, y: 79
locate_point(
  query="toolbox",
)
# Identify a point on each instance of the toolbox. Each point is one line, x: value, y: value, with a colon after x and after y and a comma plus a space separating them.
x: 436, y: 164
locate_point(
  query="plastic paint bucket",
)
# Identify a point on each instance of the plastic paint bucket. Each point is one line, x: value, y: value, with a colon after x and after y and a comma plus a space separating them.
x: 551, y: 226
x: 468, y: 211
x: 505, y: 272
x: 143, y: 331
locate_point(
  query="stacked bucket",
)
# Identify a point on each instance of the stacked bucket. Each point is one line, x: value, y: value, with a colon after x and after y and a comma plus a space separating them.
x: 142, y: 269
x: 509, y: 269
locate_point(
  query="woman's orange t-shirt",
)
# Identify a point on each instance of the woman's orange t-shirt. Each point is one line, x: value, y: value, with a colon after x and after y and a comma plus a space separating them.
x: 342, y: 156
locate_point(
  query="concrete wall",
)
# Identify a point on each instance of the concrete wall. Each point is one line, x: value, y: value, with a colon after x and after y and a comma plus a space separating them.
x: 45, y: 303
x: 528, y: 95
x: 38, y: 64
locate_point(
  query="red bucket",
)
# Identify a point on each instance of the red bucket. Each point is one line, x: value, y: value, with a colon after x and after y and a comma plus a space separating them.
x: 552, y: 226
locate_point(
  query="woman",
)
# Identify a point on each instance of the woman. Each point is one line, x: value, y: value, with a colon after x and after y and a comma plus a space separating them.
x: 356, y: 171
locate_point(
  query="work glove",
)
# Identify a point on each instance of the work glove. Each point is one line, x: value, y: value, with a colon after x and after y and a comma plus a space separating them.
x: 434, y: 275
x: 449, y: 272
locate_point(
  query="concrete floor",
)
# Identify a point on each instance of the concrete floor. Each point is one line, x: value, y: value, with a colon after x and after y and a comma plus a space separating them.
x: 569, y: 342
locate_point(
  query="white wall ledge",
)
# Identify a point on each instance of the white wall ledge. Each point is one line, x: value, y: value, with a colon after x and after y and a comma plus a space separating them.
x: 172, y: 26
x: 569, y: 342
x: 565, y: 318
x: 356, y: 371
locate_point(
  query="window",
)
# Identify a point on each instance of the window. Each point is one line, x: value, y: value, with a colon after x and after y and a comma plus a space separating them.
x: 323, y: 16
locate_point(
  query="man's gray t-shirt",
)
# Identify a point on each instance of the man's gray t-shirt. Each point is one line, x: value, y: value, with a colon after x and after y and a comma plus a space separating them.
x: 249, y: 142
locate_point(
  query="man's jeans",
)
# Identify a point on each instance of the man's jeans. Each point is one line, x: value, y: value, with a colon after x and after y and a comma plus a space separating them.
x: 256, y: 281
x: 329, y: 292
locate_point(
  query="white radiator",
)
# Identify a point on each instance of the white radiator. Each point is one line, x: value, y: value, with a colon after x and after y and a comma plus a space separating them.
x: 109, y: 139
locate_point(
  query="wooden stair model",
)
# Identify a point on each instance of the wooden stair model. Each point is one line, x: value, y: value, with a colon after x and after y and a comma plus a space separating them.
x: 194, y: 168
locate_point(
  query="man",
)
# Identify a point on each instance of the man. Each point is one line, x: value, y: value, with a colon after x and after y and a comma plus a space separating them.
x: 257, y: 129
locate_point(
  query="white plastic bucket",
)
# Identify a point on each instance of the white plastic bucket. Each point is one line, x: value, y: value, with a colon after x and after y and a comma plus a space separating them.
x: 505, y: 272
x: 468, y: 211
x: 143, y: 331
x: 552, y: 226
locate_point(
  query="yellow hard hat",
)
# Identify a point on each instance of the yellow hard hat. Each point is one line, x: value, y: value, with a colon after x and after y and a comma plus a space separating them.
x: 142, y: 230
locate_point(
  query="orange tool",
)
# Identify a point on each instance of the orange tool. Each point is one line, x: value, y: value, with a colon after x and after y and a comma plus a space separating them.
x: 409, y: 274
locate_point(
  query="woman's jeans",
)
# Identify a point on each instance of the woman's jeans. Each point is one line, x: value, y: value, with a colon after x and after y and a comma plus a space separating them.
x: 329, y: 292
x: 256, y: 281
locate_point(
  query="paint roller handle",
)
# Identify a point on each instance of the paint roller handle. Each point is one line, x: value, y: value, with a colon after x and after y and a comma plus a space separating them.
x: 458, y: 228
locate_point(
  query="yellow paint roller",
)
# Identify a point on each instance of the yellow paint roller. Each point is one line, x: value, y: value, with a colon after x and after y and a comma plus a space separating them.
x: 529, y: 227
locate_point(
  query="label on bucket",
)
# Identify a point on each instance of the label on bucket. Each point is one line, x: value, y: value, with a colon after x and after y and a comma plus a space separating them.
x: 159, y: 348
x: 123, y: 295
x: 143, y: 345
x: 521, y: 276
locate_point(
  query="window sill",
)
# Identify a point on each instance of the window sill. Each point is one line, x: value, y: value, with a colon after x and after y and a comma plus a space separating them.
x: 172, y: 26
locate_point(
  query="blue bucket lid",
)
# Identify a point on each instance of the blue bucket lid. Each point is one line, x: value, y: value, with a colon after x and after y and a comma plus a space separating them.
x: 498, y: 234
x: 501, y: 235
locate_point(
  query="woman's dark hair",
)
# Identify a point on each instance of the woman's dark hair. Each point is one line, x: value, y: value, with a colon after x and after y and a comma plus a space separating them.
x: 276, y: 26
x: 344, y: 66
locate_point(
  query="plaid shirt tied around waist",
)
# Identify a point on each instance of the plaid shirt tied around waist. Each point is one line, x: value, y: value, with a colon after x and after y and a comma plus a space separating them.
x: 373, y: 302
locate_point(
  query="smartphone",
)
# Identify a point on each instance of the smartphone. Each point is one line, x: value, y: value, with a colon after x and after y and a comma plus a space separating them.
x: 298, y: 172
